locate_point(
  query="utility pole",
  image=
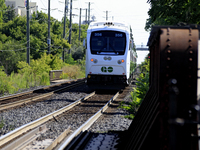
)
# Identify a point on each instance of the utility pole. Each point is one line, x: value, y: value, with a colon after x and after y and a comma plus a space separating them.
x: 66, y: 6
x: 79, y: 37
x: 106, y: 15
x: 88, y: 13
x: 85, y: 16
x: 28, y: 33
x: 49, y: 37
x: 70, y: 25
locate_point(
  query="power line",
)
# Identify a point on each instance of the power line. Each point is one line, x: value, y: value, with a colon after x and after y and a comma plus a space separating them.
x: 15, y: 45
x: 14, y: 49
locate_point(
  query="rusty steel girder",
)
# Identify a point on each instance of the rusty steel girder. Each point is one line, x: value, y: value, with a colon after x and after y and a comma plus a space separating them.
x: 167, y: 117
x: 178, y: 87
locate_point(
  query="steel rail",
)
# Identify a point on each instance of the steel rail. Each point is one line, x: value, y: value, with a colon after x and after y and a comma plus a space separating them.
x: 14, y: 95
x: 21, y: 130
x: 31, y: 99
x: 21, y: 142
x: 88, y: 123
x: 23, y: 93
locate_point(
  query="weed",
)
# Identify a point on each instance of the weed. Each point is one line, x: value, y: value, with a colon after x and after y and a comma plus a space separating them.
x: 1, y: 123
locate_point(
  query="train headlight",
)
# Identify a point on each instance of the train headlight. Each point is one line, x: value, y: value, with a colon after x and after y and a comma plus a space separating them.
x: 94, y: 60
x: 120, y: 61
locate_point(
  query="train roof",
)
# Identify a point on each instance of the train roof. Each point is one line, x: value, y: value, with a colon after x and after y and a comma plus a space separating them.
x: 109, y: 25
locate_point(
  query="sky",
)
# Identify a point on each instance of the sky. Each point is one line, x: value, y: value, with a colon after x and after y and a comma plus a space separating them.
x: 134, y: 12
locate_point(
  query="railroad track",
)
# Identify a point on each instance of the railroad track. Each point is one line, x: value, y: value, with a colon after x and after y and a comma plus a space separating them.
x: 88, y: 106
x: 95, y: 138
x: 31, y: 96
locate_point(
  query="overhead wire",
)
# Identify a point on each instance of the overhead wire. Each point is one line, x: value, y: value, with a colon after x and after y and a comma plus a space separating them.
x: 14, y: 50
x: 17, y: 45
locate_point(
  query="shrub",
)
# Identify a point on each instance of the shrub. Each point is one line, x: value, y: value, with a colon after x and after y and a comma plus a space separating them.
x: 138, y: 93
x: 44, y: 79
x: 132, y: 66
x: 69, y: 59
x: 72, y: 71
x: 64, y: 75
x: 6, y: 84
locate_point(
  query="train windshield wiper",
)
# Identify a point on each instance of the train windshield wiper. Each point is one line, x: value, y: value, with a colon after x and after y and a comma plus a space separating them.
x: 107, y: 51
x: 102, y: 48
x: 113, y: 48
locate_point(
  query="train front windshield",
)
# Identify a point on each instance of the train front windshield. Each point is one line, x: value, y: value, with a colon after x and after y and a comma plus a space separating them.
x: 108, y: 42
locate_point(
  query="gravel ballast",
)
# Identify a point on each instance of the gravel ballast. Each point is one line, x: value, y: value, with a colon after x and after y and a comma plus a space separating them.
x: 15, y: 118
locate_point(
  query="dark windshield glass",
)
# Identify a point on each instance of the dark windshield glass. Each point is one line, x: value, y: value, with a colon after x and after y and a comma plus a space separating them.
x: 108, y: 42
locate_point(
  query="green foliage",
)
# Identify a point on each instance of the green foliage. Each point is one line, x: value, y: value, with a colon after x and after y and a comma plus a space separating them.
x: 9, y: 58
x: 72, y: 72
x: 44, y: 80
x: 39, y: 69
x: 2, y: 8
x: 142, y: 85
x: 9, y: 14
x: 37, y: 73
x: 64, y: 76
x: 145, y: 66
x: 13, y: 38
x: 78, y: 53
x: 132, y: 66
x: 164, y: 12
x: 1, y: 123
x: 138, y: 93
x: 69, y: 59
x: 13, y: 49
x: 6, y: 84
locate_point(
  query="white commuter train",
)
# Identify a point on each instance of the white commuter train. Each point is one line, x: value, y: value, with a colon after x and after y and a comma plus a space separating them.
x: 108, y: 55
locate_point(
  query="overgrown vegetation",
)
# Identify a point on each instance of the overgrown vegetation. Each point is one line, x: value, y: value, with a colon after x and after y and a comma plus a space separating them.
x: 37, y: 73
x: 15, y: 73
x: 138, y: 93
x: 132, y: 66
x: 13, y: 40
x: 1, y: 123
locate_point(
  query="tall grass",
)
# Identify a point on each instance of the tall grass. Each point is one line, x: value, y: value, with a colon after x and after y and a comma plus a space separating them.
x: 37, y: 73
x: 72, y: 72
x: 11, y: 84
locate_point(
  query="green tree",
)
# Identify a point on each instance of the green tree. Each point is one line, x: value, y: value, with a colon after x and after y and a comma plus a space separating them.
x: 13, y: 39
x: 39, y: 34
x: 9, y: 14
x: 2, y: 10
x: 15, y: 28
x: 12, y: 52
x: 172, y: 12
